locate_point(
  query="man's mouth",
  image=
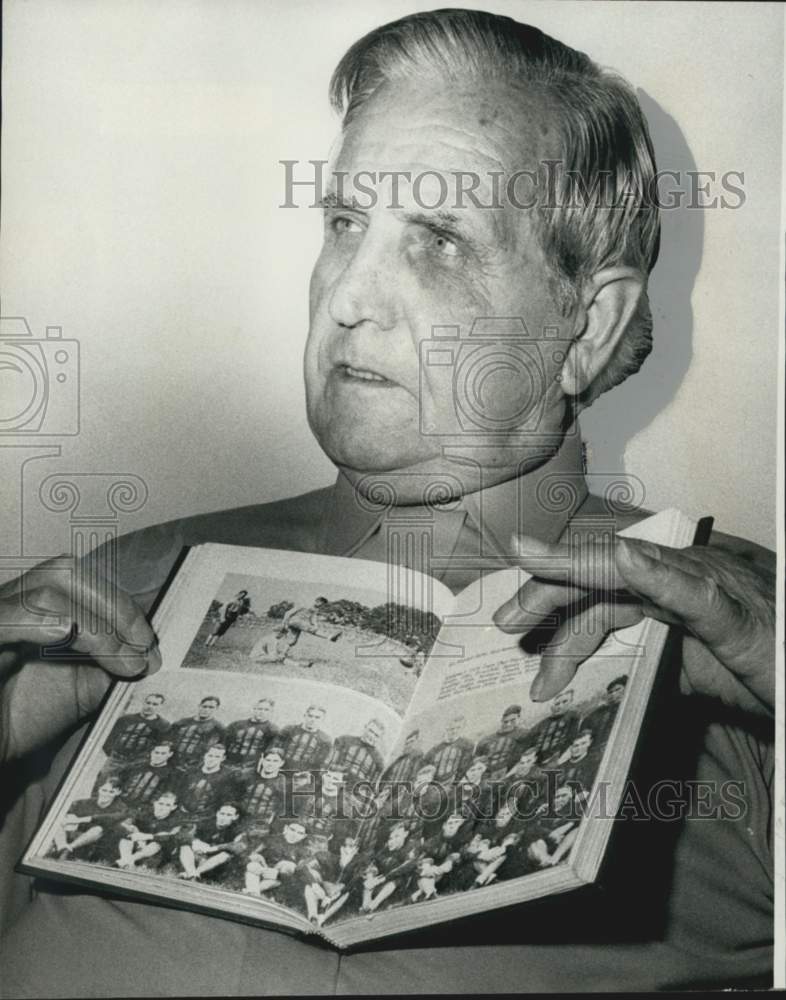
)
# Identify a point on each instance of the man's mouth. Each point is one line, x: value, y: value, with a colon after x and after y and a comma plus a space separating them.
x: 364, y: 375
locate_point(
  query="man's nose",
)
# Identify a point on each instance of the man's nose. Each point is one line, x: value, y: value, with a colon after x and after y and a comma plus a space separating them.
x: 365, y: 290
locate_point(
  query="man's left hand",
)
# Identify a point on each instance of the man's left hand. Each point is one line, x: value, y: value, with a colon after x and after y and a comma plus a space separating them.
x: 724, y: 601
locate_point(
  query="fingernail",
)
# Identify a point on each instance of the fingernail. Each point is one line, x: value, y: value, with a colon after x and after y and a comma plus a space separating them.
x: 505, y: 615
x: 637, y: 547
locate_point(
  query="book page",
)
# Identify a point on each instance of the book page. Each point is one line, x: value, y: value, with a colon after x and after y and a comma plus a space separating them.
x: 284, y: 680
x: 493, y: 793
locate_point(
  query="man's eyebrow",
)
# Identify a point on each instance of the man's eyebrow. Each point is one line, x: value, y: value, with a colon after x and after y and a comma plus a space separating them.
x: 440, y: 217
x: 332, y: 200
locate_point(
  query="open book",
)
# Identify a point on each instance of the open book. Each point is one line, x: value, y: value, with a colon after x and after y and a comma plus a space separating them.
x: 340, y: 748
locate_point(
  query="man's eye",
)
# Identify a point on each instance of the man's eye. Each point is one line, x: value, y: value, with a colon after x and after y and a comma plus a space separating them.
x: 444, y: 245
x: 342, y: 224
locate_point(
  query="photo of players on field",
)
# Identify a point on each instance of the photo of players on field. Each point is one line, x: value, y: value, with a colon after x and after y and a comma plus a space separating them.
x: 266, y: 627
x: 280, y: 790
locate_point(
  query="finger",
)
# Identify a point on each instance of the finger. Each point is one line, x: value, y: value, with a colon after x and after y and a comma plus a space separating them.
x: 101, y: 642
x: 534, y: 604
x: 575, y: 641
x: 103, y: 612
x: 697, y: 601
x: 582, y: 563
x: 97, y: 603
x: 592, y: 564
x: 45, y: 617
x: 31, y: 624
x: 116, y: 656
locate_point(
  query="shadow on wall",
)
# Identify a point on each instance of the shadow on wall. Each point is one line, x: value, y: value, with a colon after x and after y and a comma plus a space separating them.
x: 622, y: 412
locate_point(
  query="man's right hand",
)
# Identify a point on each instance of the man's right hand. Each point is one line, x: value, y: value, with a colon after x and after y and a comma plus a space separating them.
x: 53, y: 604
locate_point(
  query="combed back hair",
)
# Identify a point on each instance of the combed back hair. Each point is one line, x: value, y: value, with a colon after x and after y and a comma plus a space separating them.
x: 598, y: 206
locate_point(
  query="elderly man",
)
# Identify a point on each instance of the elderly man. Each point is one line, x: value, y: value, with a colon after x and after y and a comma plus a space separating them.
x: 478, y: 106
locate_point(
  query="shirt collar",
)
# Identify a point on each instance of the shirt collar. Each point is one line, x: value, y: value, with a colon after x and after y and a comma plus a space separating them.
x: 538, y: 503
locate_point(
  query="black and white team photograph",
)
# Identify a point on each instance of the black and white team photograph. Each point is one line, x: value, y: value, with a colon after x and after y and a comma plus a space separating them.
x: 320, y: 800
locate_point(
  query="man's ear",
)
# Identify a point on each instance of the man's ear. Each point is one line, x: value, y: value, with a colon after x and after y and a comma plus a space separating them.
x: 608, y: 302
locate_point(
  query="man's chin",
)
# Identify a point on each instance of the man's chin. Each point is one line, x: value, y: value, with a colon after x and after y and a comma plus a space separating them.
x: 382, y: 453
x: 359, y: 462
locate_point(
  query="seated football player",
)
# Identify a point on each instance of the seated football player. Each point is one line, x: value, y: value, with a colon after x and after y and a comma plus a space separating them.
x: 215, y: 843
x: 392, y: 865
x: 428, y: 874
x: 507, y: 820
x: 273, y: 863
x: 478, y: 862
x: 341, y: 883
x: 446, y: 845
x: 91, y: 827
x: 153, y: 834
x: 550, y: 836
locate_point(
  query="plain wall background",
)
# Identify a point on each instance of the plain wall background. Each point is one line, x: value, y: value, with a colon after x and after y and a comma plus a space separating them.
x: 141, y: 187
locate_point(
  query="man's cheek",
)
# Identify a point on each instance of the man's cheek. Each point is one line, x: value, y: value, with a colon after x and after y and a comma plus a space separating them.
x: 436, y: 407
x: 324, y: 276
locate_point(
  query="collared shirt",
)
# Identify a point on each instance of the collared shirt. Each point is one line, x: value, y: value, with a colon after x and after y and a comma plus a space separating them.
x: 452, y: 537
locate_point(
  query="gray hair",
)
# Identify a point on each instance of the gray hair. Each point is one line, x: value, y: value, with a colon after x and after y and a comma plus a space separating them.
x: 600, y: 207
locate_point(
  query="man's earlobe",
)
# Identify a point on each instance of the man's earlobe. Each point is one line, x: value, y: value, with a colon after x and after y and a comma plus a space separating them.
x: 608, y: 303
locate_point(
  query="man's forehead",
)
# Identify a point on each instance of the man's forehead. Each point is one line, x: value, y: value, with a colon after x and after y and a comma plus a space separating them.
x: 441, y: 136
x: 442, y: 126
